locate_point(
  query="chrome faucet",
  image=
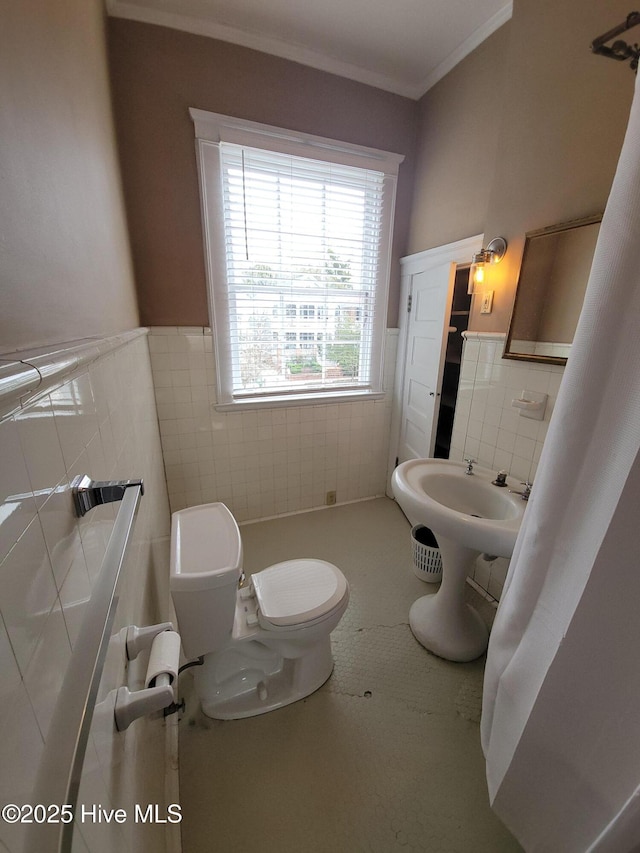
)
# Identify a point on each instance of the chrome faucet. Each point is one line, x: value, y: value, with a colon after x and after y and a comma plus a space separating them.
x: 527, y: 490
x: 470, y: 463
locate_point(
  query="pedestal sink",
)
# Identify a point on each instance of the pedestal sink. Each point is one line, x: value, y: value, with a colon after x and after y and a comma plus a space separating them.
x: 468, y: 516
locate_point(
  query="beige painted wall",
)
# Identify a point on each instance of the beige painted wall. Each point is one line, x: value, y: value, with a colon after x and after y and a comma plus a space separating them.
x: 65, y: 266
x: 459, y: 121
x: 523, y: 134
x: 563, y: 123
x: 157, y: 74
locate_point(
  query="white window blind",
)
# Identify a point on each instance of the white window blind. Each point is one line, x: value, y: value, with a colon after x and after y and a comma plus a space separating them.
x: 299, y: 299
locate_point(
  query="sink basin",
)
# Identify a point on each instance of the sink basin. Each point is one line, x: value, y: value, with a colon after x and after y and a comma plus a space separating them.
x: 468, y: 515
x: 460, y: 506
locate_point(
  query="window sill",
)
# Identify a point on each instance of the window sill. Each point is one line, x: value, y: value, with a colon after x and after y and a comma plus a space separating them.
x: 277, y: 402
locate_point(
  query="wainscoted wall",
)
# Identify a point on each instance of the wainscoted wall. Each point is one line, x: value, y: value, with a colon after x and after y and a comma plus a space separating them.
x: 263, y: 462
x: 488, y: 429
x: 89, y: 409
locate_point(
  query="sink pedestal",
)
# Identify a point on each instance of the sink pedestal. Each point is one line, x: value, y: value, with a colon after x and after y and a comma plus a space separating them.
x: 468, y: 515
x: 444, y: 623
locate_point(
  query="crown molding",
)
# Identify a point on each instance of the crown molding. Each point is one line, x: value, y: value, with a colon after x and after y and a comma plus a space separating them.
x: 468, y: 45
x: 306, y: 56
x: 265, y: 44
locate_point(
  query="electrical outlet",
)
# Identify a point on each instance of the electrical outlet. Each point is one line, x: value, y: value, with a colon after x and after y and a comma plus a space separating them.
x: 330, y: 498
x: 487, y: 302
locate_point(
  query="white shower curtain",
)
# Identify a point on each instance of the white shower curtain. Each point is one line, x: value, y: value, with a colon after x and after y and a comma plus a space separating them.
x: 561, y: 710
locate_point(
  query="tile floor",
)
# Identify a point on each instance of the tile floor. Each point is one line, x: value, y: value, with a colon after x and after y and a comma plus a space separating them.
x: 385, y: 756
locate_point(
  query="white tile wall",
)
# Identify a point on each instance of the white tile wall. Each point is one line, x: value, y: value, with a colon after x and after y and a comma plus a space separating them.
x: 99, y: 420
x: 487, y: 428
x: 268, y: 461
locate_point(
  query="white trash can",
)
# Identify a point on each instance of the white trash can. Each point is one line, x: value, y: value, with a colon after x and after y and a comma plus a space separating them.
x: 427, y: 561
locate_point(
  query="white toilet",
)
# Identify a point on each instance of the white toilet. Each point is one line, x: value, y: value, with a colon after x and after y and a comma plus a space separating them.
x: 265, y: 644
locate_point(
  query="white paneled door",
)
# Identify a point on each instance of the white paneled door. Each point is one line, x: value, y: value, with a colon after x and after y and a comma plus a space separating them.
x: 426, y: 341
x: 427, y: 287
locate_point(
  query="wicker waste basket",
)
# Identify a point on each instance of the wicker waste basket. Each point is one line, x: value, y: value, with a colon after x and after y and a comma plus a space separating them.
x: 427, y: 562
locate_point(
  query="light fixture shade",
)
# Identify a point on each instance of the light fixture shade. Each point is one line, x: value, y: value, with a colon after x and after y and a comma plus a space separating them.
x: 476, y: 275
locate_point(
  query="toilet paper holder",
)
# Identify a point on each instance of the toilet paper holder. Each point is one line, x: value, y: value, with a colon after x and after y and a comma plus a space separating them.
x: 162, y: 673
x: 138, y: 639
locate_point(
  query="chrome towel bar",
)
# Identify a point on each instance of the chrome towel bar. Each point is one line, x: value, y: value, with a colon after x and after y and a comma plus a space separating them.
x: 88, y: 493
x: 60, y: 769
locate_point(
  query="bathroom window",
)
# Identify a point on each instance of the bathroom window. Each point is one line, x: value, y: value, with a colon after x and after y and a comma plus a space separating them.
x: 295, y: 226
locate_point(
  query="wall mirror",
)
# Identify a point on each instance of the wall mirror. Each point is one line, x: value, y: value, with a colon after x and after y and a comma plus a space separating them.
x: 553, y: 277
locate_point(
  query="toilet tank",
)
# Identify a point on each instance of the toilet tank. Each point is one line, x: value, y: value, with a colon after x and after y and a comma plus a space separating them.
x: 206, y: 564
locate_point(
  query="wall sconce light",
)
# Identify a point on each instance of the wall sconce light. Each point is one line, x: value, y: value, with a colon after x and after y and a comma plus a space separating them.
x: 493, y: 254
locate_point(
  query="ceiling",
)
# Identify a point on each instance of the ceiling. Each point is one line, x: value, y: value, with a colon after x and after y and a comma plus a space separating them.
x: 403, y: 46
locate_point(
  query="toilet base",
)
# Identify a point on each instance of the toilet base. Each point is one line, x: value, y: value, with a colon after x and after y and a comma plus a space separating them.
x: 247, y: 679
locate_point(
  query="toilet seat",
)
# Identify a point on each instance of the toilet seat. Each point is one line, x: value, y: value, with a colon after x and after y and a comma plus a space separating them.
x: 298, y: 591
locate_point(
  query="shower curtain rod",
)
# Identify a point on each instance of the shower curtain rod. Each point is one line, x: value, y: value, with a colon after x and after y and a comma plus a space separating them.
x: 619, y: 50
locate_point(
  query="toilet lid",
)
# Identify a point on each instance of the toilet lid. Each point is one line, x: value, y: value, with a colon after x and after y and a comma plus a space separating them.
x: 298, y: 590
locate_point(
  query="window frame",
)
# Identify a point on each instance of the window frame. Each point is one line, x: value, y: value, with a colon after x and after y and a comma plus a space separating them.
x: 210, y: 130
